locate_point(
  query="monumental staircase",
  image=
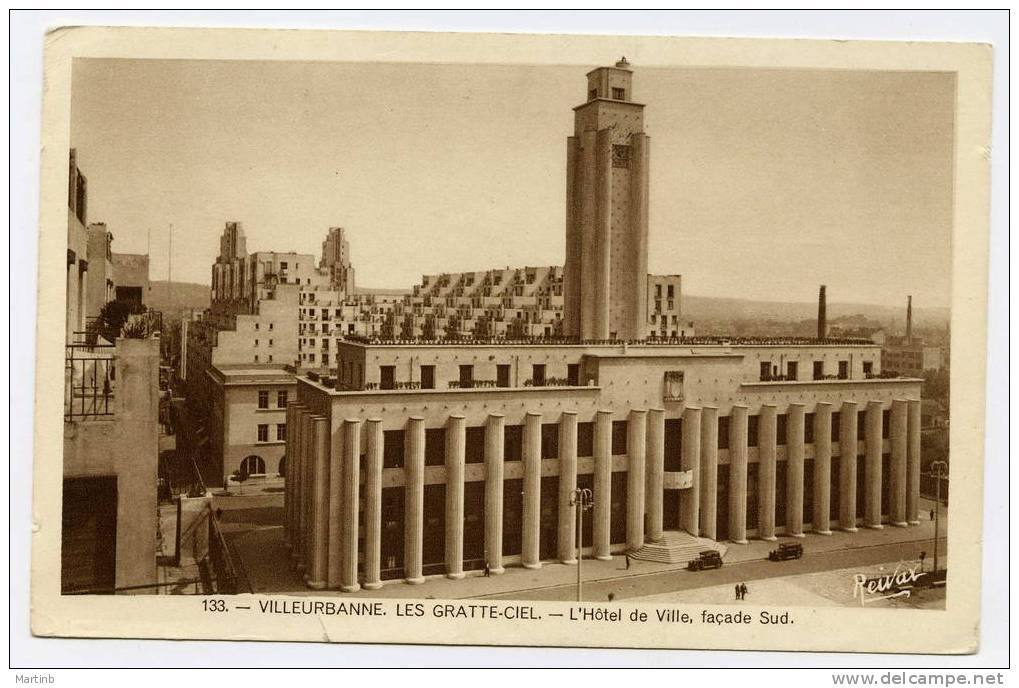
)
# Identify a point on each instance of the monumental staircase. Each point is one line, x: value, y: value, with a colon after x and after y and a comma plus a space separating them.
x: 676, y: 547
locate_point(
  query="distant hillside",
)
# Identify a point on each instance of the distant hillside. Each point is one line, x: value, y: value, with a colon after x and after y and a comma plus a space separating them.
x: 173, y: 297
x: 720, y: 309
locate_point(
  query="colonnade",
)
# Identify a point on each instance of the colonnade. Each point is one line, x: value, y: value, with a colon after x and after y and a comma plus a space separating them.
x: 323, y: 511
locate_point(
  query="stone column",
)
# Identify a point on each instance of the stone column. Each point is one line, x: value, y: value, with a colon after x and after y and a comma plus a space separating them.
x: 822, y: 469
x: 495, y: 434
x: 455, y: 460
x: 709, y: 472
x: 738, y: 475
x: 767, y: 454
x: 900, y: 440
x: 351, y: 503
x: 530, y: 554
x: 373, y: 504
x: 913, y: 463
x: 636, y: 447
x: 320, y: 514
x: 691, y: 461
x: 414, y: 500
x: 336, y: 497
x: 567, y: 484
x: 288, y: 484
x: 304, y: 500
x: 873, y: 442
x: 848, y: 448
x: 602, y: 485
x: 655, y: 492
x: 795, y: 421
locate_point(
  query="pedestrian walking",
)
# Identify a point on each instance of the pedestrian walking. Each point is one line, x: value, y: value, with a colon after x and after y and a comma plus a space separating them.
x: 627, y: 561
x: 932, y: 514
x: 743, y: 591
x: 612, y: 596
x: 737, y: 592
x: 488, y: 570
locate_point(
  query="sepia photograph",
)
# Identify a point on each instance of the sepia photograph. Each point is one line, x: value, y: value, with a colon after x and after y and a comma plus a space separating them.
x: 454, y: 338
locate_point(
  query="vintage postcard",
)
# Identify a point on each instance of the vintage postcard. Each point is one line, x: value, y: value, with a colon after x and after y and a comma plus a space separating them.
x: 603, y: 341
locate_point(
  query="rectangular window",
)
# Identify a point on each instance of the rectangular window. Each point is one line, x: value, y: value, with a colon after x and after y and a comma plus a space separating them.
x: 387, y: 377
x: 466, y: 376
x: 620, y: 156
x: 591, y: 95
x: 752, y: 431
x: 538, y: 375
x: 549, y: 440
x: 502, y: 375
x: 792, y: 370
x: 843, y: 370
x: 808, y: 428
x: 765, y: 371
x: 281, y: 398
x: 618, y: 94
x: 435, y: 446
x: 263, y: 433
x: 263, y: 399
x: 781, y: 426
x: 585, y: 439
x: 427, y: 377
x: 573, y: 374
x: 619, y: 433
x: 868, y: 368
x: 671, y: 291
x: 281, y: 432
x: 392, y: 449
x: 723, y: 432
x: 513, y: 442
x: 658, y: 291
x: 818, y: 370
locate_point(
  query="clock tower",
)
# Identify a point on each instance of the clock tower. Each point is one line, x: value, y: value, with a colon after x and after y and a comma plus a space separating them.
x: 605, y: 275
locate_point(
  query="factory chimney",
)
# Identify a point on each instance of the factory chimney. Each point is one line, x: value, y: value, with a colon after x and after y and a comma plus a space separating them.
x: 909, y: 319
x: 822, y: 314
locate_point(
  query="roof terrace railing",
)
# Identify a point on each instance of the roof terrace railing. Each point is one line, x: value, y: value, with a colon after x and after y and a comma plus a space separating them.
x: 90, y: 372
x: 705, y: 340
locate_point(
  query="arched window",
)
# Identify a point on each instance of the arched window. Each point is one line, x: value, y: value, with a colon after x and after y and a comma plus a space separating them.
x: 283, y: 467
x: 253, y: 465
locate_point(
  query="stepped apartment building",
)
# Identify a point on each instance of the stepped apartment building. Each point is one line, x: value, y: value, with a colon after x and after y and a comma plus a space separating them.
x: 419, y: 458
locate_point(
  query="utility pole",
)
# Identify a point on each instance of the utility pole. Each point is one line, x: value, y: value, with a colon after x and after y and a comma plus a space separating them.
x: 937, y: 468
x: 582, y: 499
x: 169, y: 257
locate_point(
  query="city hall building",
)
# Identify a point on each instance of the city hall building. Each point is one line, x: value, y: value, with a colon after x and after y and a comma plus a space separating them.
x: 417, y: 457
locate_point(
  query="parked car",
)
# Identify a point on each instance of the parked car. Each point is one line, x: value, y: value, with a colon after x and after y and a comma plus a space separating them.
x: 708, y: 559
x: 787, y: 550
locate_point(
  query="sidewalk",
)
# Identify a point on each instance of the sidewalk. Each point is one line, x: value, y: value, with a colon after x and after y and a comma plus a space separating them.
x: 267, y: 564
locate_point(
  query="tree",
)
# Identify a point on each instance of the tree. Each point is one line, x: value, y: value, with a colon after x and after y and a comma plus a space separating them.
x: 112, y: 317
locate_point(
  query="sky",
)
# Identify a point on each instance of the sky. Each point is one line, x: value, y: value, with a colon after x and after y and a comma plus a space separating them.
x: 764, y: 183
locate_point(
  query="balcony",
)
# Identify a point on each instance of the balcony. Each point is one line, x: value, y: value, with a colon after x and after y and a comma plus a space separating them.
x: 90, y: 373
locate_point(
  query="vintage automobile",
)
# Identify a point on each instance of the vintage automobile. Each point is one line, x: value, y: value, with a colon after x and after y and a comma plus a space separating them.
x: 787, y: 550
x: 708, y: 559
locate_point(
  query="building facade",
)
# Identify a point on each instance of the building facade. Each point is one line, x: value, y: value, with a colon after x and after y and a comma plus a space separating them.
x: 111, y: 426
x: 422, y: 458
x: 467, y: 455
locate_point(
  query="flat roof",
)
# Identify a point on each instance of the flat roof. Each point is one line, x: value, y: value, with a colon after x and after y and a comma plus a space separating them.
x: 656, y: 345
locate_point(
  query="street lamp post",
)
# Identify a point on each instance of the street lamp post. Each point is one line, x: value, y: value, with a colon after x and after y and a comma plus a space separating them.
x: 582, y: 499
x: 937, y: 468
